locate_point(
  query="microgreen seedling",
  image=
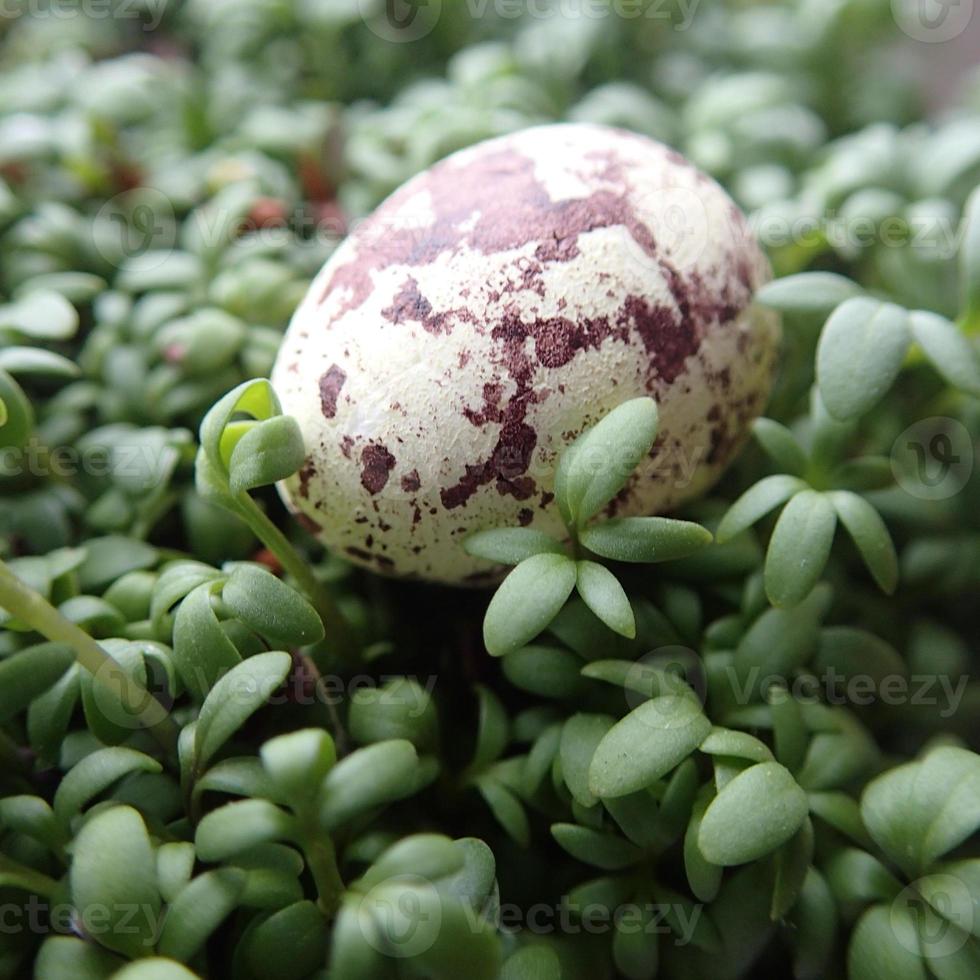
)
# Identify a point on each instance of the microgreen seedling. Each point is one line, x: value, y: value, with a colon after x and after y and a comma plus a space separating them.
x: 590, y: 473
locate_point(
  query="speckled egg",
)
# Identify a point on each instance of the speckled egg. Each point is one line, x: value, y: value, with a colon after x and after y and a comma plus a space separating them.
x: 491, y: 309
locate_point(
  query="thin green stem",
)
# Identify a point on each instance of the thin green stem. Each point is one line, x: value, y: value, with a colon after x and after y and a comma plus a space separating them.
x: 321, y: 858
x: 335, y: 623
x: 323, y: 866
x: 33, y: 609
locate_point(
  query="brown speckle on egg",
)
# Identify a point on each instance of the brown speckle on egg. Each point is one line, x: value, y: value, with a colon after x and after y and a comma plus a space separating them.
x: 330, y: 385
x: 376, y: 464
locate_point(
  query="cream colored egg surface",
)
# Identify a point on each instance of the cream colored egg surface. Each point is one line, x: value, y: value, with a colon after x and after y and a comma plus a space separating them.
x: 491, y: 309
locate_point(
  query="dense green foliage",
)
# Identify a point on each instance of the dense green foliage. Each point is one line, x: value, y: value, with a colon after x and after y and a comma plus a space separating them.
x: 736, y: 741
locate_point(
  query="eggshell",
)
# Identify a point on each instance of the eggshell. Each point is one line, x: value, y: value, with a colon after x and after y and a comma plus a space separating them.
x: 491, y: 309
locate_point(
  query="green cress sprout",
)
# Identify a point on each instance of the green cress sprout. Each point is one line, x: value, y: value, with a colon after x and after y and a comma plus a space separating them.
x: 238, y: 455
x: 590, y: 473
